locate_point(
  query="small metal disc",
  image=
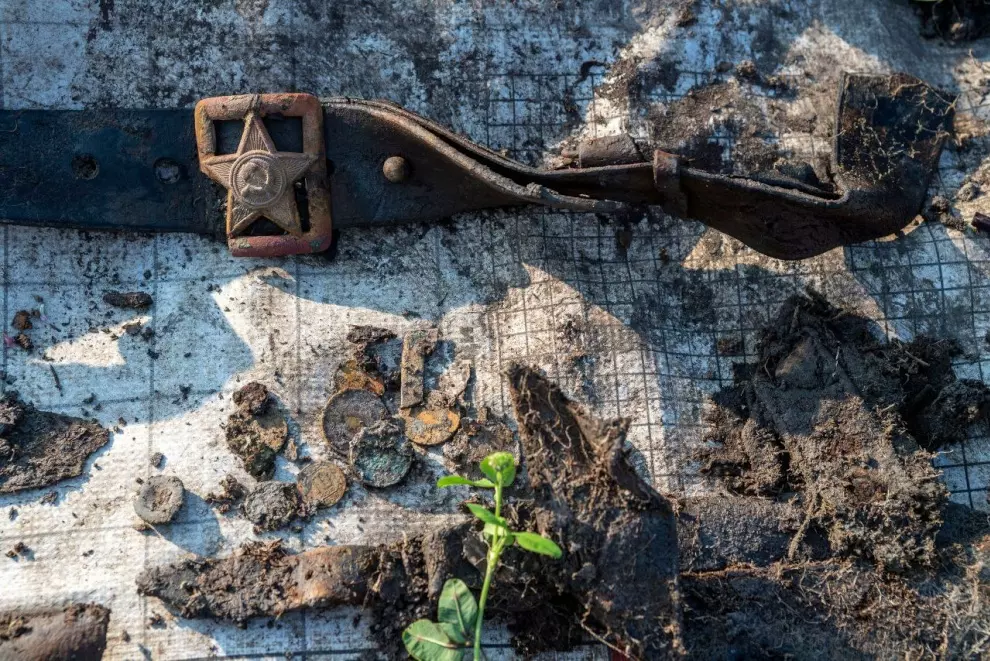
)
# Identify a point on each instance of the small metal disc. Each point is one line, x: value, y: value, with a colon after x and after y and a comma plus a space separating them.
x: 321, y: 484
x: 347, y: 413
x: 381, y: 455
x: 431, y: 426
x: 159, y: 499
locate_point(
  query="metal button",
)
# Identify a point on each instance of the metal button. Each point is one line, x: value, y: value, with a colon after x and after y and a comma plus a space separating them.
x: 396, y: 169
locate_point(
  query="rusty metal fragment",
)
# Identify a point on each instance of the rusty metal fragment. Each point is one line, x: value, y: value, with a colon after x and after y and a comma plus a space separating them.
x: 430, y: 420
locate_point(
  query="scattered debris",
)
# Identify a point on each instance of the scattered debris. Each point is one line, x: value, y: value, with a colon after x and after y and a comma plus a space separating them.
x: 271, y: 505
x: 134, y: 300
x: 156, y: 460
x: 76, y: 632
x: 19, y: 551
x: 159, y: 499
x: 381, y: 455
x: 231, y: 494
x: 40, y: 448
x: 618, y: 579
x: 347, y: 413
x: 844, y: 420
x: 940, y: 210
x: 321, y: 484
x: 257, y: 431
x: 24, y: 342
x: 22, y: 320
x: 50, y: 498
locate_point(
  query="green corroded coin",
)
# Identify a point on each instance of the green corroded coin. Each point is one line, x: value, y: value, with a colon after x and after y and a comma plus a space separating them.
x: 381, y: 455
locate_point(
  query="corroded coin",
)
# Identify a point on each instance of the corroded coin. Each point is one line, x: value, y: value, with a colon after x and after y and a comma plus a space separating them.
x: 321, y: 484
x: 381, y: 455
x: 347, y: 413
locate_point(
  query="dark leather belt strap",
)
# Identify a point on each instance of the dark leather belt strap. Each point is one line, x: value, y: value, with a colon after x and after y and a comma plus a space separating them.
x: 286, y: 169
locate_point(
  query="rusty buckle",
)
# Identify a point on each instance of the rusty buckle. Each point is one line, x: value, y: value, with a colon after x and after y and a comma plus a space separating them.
x: 260, y: 180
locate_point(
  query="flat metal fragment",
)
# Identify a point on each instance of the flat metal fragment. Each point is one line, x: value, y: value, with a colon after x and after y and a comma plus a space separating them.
x: 416, y: 346
x: 431, y: 426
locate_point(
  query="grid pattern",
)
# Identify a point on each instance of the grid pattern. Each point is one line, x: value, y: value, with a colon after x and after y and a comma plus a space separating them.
x: 633, y: 331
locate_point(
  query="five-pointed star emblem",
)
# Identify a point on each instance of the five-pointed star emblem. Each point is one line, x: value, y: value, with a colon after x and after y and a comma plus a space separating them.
x: 259, y: 180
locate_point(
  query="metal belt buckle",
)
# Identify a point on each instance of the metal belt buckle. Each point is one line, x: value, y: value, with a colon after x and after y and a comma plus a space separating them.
x: 260, y: 180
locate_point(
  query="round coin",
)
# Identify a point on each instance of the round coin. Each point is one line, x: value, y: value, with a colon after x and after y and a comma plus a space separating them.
x: 159, y: 499
x: 381, y: 455
x: 347, y: 413
x: 321, y: 484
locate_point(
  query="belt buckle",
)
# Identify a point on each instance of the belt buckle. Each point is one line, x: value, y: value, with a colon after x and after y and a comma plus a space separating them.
x: 260, y: 180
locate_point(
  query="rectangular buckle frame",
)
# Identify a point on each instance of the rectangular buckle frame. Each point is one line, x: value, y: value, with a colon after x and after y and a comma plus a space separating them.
x: 306, y: 106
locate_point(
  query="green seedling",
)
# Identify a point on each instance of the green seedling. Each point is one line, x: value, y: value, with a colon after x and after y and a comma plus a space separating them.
x: 460, y: 617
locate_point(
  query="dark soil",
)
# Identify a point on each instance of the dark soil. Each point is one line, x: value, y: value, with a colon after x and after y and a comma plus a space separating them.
x: 230, y: 494
x: 159, y: 499
x: 475, y: 440
x: 257, y: 431
x: 954, y: 20
x: 38, y: 448
x: 843, y: 419
x: 271, y: 505
x: 76, y: 632
x: 618, y: 578
x: 133, y: 300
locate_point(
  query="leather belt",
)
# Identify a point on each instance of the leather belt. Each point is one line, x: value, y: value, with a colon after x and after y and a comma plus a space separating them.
x: 287, y: 169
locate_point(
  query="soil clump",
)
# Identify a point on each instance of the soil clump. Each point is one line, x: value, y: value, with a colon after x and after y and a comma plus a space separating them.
x: 257, y: 431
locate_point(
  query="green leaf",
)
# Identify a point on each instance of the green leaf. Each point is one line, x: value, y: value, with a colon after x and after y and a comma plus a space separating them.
x: 453, y: 632
x: 538, y: 544
x: 457, y: 480
x: 486, y: 515
x: 500, y: 467
x: 425, y: 641
x: 458, y: 609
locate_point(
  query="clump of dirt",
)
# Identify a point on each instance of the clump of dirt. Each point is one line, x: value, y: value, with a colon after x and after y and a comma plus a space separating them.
x: 844, y: 420
x: 475, y: 440
x: 698, y: 126
x: 231, y: 493
x: 132, y: 300
x: 75, y: 632
x: 39, y: 448
x: 257, y: 431
x: 618, y: 578
x: 954, y: 20
x: 271, y: 505
x: 22, y: 321
x: 159, y: 499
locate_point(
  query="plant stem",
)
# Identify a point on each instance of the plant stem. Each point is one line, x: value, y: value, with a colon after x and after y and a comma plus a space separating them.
x: 494, y: 553
x: 493, y: 557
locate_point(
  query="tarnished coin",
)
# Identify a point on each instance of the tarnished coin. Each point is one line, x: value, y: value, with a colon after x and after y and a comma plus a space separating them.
x: 347, y: 413
x: 321, y: 484
x: 159, y: 499
x: 431, y: 426
x: 381, y: 455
